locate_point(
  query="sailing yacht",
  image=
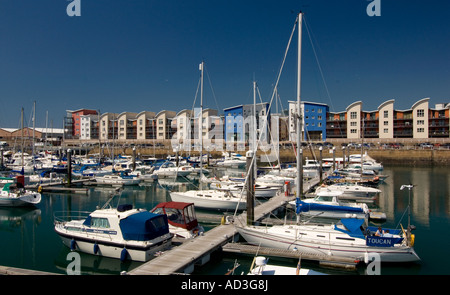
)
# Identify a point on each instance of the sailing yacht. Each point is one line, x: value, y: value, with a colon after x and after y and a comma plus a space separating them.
x: 208, y: 199
x: 350, y: 237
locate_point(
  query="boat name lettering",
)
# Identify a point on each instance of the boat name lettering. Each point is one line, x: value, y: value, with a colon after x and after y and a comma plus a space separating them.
x: 379, y: 241
x: 98, y: 231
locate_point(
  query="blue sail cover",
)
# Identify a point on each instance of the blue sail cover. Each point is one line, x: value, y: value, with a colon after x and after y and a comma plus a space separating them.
x: 144, y: 226
x: 305, y: 207
x: 353, y: 227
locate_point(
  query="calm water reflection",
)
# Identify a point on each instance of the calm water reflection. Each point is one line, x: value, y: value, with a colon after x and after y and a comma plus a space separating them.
x: 29, y: 241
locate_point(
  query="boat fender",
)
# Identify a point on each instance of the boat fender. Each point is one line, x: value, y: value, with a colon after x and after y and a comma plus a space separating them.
x: 73, y: 245
x: 96, y: 248
x: 123, y: 255
x: 413, y: 237
x: 40, y: 189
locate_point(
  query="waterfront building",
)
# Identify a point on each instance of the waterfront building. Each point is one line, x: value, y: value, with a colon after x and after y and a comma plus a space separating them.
x: 386, y: 119
x: 238, y: 123
x: 127, y: 126
x: 89, y: 127
x: 314, y: 123
x: 72, y: 122
x: 420, y: 122
x: 146, y: 125
x: 164, y: 125
x: 108, y: 126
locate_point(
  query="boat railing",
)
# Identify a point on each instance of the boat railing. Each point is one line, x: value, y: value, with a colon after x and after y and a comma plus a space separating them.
x: 60, y: 217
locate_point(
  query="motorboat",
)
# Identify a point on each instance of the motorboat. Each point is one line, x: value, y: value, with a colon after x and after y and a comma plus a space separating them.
x: 15, y: 195
x: 169, y: 169
x: 261, y: 266
x: 350, y: 238
x: 117, y: 179
x: 90, y: 171
x: 46, y: 177
x: 182, y: 220
x: 351, y: 191
x: 123, y: 232
x: 232, y: 160
x: 327, y: 204
x: 261, y: 190
x: 210, y: 199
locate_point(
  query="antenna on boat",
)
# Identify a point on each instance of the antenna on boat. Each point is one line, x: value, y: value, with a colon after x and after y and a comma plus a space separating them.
x: 111, y: 197
x: 410, y: 227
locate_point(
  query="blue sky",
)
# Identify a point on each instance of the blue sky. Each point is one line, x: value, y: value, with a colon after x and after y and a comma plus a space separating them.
x: 136, y: 55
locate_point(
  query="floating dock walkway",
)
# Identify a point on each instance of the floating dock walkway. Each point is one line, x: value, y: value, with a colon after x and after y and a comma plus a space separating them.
x: 182, y: 259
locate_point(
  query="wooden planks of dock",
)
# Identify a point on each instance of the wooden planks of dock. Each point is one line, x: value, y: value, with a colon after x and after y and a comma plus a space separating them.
x: 181, y: 259
x: 184, y: 257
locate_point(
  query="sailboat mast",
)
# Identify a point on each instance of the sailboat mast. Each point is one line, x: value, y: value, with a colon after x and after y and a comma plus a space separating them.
x: 34, y: 128
x: 200, y: 120
x: 299, y: 116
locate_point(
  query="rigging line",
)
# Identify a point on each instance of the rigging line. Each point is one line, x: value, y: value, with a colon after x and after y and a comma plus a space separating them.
x: 320, y: 68
x: 270, y: 134
x: 318, y: 63
x: 270, y: 104
x: 212, y: 89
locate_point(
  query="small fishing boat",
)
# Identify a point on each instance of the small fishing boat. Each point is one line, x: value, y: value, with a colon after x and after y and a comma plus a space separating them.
x: 123, y: 232
x: 182, y: 220
x: 15, y: 195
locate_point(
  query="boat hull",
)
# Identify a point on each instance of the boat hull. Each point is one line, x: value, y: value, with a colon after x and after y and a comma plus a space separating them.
x: 205, y: 200
x: 135, y: 251
x: 22, y: 201
x: 286, y: 238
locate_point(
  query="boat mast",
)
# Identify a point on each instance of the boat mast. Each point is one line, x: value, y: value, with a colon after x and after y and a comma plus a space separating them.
x: 255, y: 130
x: 200, y: 121
x: 34, y: 128
x: 299, y: 116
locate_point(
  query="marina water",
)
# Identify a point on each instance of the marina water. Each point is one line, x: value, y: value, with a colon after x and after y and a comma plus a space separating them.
x: 28, y: 239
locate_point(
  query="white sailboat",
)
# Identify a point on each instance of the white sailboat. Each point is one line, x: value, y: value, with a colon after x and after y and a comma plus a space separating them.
x: 351, y: 191
x: 208, y: 199
x: 349, y: 238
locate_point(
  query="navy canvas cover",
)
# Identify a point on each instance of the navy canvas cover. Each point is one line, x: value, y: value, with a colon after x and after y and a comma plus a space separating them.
x: 144, y: 226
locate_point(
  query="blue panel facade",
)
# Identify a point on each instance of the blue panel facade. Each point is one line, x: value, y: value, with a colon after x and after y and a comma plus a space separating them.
x: 315, y: 120
x: 234, y: 128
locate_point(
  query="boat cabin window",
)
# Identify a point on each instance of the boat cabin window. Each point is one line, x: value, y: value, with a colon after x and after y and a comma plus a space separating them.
x: 100, y: 222
x: 190, y: 214
x: 158, y: 223
x: 174, y: 215
x: 324, y: 198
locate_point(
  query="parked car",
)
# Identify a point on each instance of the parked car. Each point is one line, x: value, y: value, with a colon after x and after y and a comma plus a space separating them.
x: 426, y: 145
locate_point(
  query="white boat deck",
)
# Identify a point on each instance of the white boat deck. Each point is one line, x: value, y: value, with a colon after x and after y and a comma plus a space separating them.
x: 182, y: 259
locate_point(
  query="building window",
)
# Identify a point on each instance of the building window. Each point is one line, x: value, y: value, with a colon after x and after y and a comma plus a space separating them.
x: 354, y: 131
x: 385, y: 130
x: 420, y: 113
x: 420, y: 130
x: 386, y: 123
x: 353, y: 115
x: 420, y: 122
x: 386, y: 114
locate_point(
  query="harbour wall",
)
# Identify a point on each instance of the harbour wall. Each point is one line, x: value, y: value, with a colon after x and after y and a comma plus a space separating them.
x: 398, y: 157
